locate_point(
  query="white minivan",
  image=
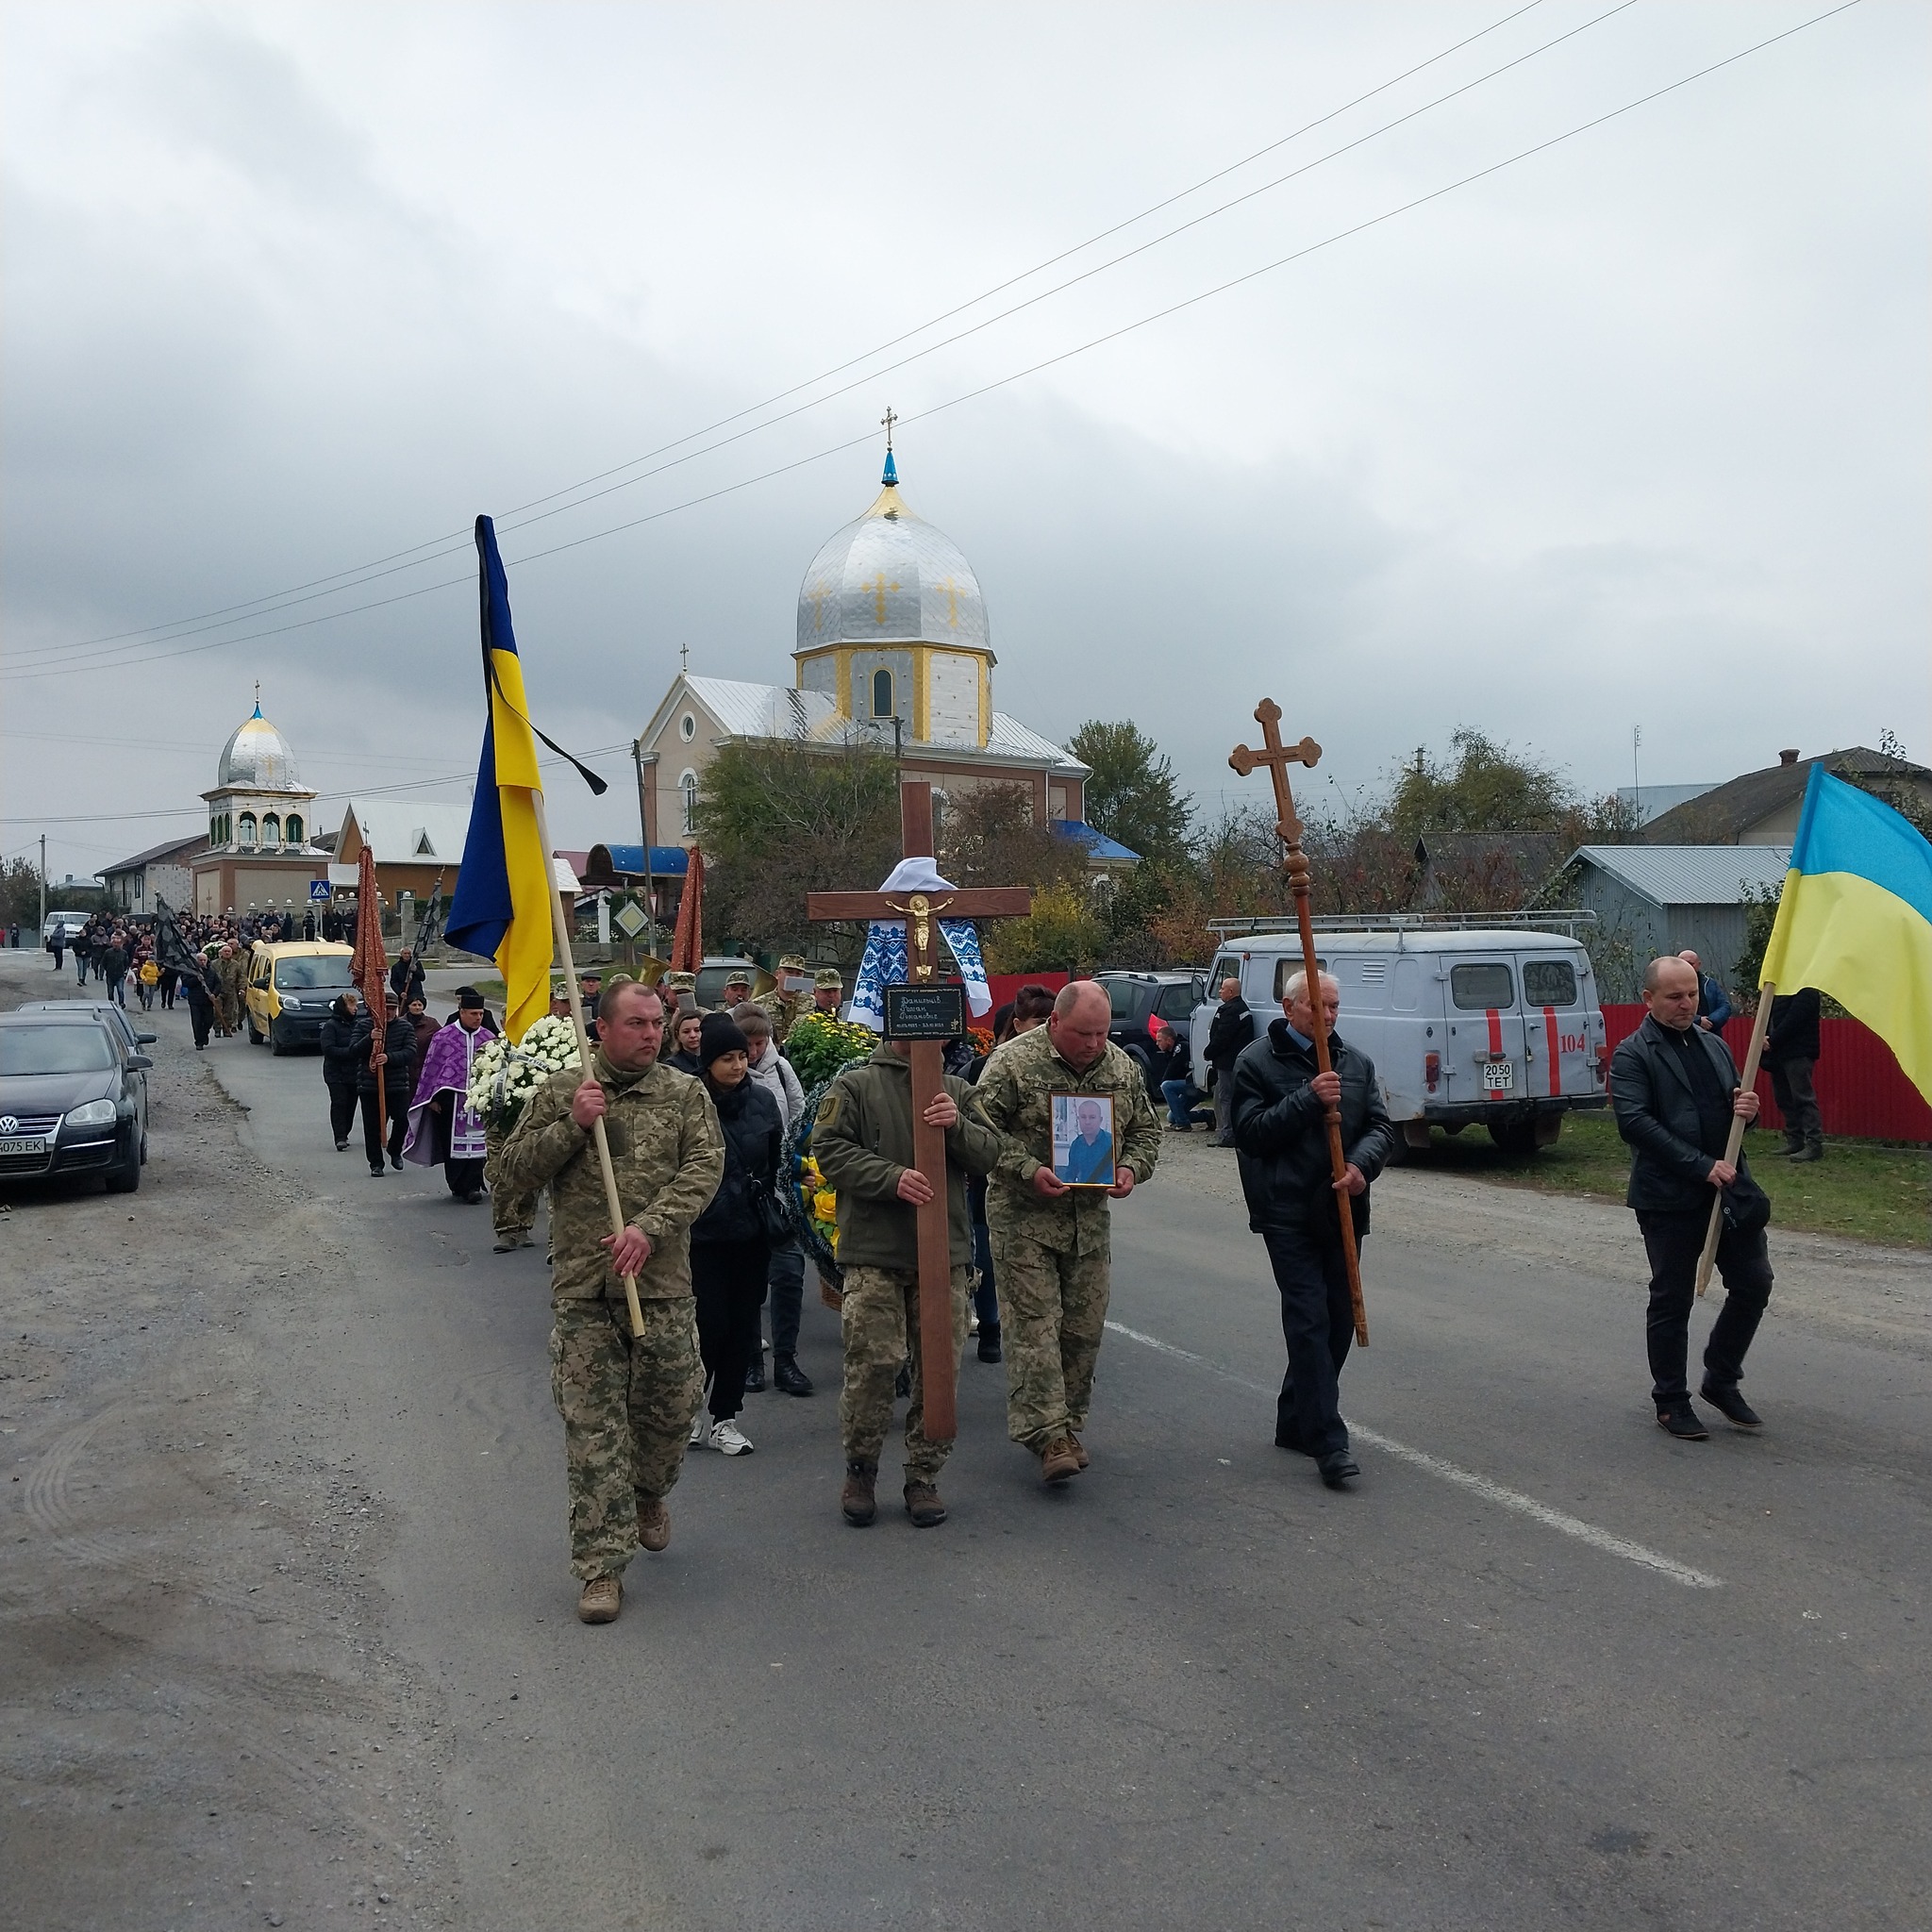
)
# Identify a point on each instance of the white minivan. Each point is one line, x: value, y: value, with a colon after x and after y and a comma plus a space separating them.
x: 1496, y: 1024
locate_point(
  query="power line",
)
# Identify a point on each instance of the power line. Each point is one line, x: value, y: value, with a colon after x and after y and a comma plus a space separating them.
x: 1016, y: 376
x: 457, y: 539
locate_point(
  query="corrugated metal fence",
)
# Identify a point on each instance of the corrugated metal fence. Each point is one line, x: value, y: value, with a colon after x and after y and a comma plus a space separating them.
x: 1861, y: 1091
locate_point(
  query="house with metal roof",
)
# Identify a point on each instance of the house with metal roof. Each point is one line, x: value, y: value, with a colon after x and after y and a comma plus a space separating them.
x: 163, y: 871
x: 892, y: 649
x: 1762, y: 807
x: 1655, y: 899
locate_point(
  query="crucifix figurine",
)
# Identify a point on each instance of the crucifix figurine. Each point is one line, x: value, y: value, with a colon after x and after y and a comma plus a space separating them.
x: 1277, y: 757
x: 922, y: 912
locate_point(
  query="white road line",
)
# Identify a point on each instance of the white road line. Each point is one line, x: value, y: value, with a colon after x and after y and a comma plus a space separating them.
x: 1468, y: 1479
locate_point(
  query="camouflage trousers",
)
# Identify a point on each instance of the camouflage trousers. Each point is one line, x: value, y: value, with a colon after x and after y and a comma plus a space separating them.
x: 626, y: 1407
x: 879, y: 1325
x: 1053, y: 1310
x: 509, y: 1214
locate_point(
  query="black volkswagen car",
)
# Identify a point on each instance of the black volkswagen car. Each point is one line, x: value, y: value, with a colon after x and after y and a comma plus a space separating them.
x: 70, y: 1101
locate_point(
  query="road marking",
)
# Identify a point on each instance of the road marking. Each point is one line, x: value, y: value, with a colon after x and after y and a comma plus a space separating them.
x: 1589, y: 1532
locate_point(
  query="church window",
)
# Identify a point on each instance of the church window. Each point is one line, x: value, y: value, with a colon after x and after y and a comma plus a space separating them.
x: 271, y: 829
x: 687, y: 728
x: 688, y: 785
x: 882, y: 693
x: 292, y: 829
x: 248, y: 828
x: 214, y: 829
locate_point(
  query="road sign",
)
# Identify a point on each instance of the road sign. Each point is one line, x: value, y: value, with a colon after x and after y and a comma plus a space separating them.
x: 318, y: 891
x: 628, y: 919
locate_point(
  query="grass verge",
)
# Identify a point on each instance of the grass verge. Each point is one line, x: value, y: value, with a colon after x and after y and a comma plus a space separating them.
x: 1861, y: 1188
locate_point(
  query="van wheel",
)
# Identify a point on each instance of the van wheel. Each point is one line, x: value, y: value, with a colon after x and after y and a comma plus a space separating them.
x: 254, y: 1037
x: 1517, y: 1139
x: 277, y: 1045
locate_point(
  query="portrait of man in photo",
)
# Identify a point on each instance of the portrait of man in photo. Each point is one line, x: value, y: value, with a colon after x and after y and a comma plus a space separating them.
x: 1083, y: 1140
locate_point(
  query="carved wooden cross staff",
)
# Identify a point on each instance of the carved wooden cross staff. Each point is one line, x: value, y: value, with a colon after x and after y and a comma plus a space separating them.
x: 1278, y: 757
x: 922, y: 912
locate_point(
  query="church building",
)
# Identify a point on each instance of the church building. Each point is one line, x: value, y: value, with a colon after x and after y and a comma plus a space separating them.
x: 893, y: 647
x: 259, y: 852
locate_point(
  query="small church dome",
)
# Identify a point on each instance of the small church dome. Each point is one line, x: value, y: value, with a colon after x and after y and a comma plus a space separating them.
x: 889, y: 576
x: 258, y: 756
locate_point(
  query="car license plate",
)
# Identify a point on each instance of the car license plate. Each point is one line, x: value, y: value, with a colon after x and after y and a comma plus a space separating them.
x: 1499, y: 1076
x: 21, y: 1147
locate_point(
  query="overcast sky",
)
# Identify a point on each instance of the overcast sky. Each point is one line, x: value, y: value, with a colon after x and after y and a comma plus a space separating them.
x: 1632, y: 432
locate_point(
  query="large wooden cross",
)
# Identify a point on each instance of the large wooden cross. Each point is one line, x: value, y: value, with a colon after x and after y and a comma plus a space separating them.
x: 922, y: 912
x: 1277, y: 757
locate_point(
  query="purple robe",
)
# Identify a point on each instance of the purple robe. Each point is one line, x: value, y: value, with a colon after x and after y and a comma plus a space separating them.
x: 456, y: 1134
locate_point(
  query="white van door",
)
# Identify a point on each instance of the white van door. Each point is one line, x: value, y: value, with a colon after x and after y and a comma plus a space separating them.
x: 1563, y: 1035
x: 1485, y: 1060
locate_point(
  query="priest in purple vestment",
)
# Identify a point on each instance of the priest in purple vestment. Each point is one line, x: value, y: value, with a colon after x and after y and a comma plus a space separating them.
x: 443, y: 1126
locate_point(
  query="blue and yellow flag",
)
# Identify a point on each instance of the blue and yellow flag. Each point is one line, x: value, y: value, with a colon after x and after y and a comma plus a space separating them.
x: 502, y: 907
x: 1856, y: 918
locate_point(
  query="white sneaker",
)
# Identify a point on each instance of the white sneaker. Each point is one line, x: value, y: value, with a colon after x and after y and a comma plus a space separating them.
x: 700, y: 1430
x: 727, y: 1438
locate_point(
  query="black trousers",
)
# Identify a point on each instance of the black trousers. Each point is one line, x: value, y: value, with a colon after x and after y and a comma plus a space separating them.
x: 372, y: 1131
x: 785, y: 1278
x: 728, y: 1279
x: 341, y: 1110
x: 201, y: 1016
x: 1673, y: 1242
x: 465, y: 1178
x: 1318, y: 1325
x: 1791, y: 1081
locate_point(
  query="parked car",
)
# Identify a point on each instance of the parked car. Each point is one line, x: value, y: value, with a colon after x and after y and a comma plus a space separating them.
x: 133, y: 1040
x: 715, y: 973
x: 1496, y: 1026
x: 73, y: 1100
x: 1138, y: 997
x: 291, y: 988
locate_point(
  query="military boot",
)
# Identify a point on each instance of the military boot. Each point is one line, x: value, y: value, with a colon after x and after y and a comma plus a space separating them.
x: 857, y: 1499
x: 1059, y: 1459
x: 602, y: 1598
x: 1813, y: 1148
x: 654, y: 1523
x: 1795, y: 1141
x: 922, y: 1504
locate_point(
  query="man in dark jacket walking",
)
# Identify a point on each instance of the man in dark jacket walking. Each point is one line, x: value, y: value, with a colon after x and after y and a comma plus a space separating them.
x: 398, y: 1059
x: 1674, y: 1089
x: 1231, y: 1030
x: 863, y: 1139
x: 1280, y: 1128
x: 1791, y: 1052
x: 405, y: 978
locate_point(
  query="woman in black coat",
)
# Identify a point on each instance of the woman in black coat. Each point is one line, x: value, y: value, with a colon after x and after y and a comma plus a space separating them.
x: 340, y: 1059
x: 731, y: 1251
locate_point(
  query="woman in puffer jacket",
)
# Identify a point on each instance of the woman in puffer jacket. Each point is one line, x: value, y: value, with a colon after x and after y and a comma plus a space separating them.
x: 338, y: 1067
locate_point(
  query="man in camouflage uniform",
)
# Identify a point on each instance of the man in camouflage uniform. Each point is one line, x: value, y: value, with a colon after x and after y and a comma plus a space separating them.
x: 862, y: 1135
x: 627, y: 1403
x: 791, y: 999
x: 231, y: 976
x: 1050, y: 1241
x: 680, y: 990
x: 513, y: 1213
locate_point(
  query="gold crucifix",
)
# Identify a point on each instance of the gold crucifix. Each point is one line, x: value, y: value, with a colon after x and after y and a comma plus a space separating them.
x: 879, y: 587
x: 1278, y: 757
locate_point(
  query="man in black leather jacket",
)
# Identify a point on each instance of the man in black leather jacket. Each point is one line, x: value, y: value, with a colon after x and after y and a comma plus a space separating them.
x: 1281, y: 1135
x: 1674, y: 1089
x: 1230, y: 1034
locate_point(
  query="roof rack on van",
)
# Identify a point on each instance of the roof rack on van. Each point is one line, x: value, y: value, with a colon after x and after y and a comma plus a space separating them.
x: 1564, y: 920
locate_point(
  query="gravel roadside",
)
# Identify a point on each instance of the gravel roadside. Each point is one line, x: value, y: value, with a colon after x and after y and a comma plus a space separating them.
x: 199, y: 1725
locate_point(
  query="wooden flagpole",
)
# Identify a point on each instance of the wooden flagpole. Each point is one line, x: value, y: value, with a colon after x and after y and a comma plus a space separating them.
x: 1748, y: 1081
x: 562, y: 927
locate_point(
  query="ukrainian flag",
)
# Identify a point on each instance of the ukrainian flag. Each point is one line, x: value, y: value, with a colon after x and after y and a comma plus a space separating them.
x: 1856, y: 918
x: 502, y: 907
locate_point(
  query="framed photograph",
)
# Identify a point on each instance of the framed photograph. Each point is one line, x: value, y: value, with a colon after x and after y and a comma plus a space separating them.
x: 1083, y: 1143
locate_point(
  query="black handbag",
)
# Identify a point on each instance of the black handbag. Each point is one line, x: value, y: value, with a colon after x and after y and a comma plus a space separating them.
x: 769, y: 1213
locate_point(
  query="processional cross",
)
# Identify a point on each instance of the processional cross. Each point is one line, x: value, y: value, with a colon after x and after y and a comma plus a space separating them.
x: 1278, y: 757
x: 922, y: 912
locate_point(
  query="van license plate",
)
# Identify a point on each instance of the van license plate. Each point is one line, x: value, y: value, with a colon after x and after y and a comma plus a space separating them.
x: 1499, y: 1076
x: 20, y: 1147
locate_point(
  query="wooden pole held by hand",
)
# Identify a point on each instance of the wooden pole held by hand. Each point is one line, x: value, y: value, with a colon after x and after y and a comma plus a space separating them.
x: 1734, y: 1139
x: 562, y: 927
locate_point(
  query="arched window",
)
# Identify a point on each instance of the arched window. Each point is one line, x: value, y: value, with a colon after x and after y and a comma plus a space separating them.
x: 688, y: 785
x: 248, y: 828
x: 271, y: 828
x: 292, y: 831
x: 882, y: 693
x: 214, y: 829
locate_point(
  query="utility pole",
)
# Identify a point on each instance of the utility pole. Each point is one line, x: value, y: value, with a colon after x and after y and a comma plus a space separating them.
x: 636, y: 752
x: 43, y: 885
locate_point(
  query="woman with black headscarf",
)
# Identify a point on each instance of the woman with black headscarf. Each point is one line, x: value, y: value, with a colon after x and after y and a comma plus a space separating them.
x: 340, y: 1059
x: 730, y: 1246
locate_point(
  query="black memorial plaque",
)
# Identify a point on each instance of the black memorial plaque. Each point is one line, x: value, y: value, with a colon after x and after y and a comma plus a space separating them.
x: 925, y: 1012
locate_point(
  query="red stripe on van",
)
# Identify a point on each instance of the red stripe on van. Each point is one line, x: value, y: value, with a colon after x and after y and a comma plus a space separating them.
x: 1550, y: 1037
x: 1495, y: 1020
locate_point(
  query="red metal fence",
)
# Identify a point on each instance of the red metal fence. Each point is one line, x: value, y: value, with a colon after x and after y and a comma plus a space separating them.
x: 1863, y: 1091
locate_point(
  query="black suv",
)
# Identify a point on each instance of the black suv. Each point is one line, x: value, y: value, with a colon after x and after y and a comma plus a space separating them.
x: 1138, y: 997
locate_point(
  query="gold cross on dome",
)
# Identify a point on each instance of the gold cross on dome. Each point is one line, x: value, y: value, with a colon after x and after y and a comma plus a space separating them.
x: 879, y: 587
x: 952, y: 590
x: 816, y: 596
x: 887, y: 420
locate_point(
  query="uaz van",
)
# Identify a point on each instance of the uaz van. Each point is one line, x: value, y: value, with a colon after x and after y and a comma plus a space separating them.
x: 1496, y: 1024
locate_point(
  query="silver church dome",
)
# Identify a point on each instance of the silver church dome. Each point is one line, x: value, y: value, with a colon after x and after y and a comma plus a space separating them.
x: 891, y: 577
x: 258, y: 756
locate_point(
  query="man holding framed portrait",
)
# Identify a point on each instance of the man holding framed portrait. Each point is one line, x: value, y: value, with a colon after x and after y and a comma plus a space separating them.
x: 1083, y: 1140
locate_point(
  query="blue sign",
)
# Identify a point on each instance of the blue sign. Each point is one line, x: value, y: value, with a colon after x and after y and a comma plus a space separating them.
x: 318, y: 891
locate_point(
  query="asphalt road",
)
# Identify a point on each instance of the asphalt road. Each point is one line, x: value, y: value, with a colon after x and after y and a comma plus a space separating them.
x: 1540, y: 1666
